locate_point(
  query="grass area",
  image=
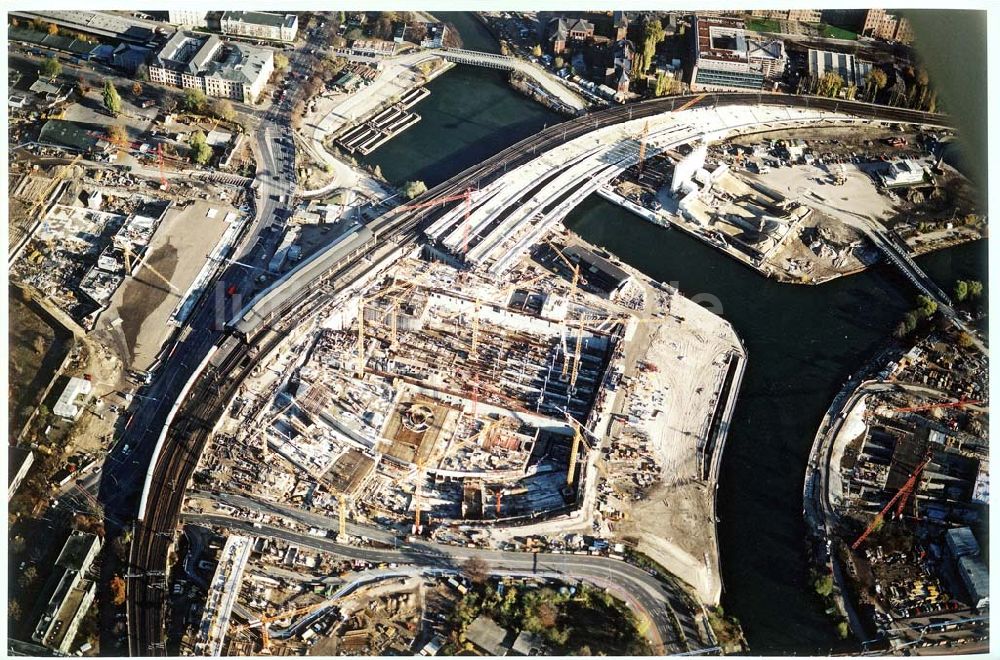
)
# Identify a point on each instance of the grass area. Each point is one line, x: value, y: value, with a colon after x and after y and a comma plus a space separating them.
x: 763, y: 25
x: 834, y: 32
x: 578, y: 620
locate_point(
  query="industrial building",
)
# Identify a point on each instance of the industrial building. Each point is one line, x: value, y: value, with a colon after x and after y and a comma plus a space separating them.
x: 260, y: 25
x: 19, y: 461
x: 68, y: 135
x: 66, y: 407
x: 216, y: 67
x: 727, y: 60
x: 73, y: 595
x: 852, y: 70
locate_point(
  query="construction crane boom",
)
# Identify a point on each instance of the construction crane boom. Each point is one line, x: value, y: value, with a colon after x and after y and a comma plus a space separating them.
x: 642, y: 148
x: 902, y: 494
x: 961, y: 403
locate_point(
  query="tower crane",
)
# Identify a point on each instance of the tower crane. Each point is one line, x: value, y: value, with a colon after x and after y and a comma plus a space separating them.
x: 126, y: 249
x: 642, y: 148
x: 961, y: 403
x: 901, y: 496
x: 57, y: 178
x: 466, y: 196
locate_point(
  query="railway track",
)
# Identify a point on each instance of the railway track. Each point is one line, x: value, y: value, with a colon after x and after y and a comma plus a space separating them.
x: 234, y: 360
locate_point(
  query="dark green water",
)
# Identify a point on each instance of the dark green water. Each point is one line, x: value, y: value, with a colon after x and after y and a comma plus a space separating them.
x: 802, y: 343
x: 471, y: 114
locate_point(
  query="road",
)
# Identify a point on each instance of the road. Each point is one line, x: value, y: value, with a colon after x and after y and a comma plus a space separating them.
x: 643, y: 589
x: 186, y: 436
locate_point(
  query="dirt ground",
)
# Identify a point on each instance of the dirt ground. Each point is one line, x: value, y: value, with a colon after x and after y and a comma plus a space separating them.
x: 136, y: 322
x: 35, y: 351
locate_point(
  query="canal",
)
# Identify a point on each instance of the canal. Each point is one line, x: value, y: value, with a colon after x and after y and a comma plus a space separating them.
x: 802, y: 342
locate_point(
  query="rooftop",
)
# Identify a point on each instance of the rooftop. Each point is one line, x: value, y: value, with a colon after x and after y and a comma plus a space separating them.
x: 74, y: 552
x: 487, y: 635
x: 260, y: 18
x: 67, y: 134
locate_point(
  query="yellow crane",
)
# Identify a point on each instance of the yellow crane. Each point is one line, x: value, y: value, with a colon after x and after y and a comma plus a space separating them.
x: 57, y: 178
x: 265, y: 621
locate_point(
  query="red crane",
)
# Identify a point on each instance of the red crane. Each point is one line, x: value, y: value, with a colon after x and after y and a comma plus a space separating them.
x: 159, y: 160
x: 930, y: 406
x: 467, y: 196
x: 901, y: 497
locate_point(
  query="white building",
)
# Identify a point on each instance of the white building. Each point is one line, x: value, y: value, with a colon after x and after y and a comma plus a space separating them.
x: 260, y: 25
x: 216, y: 67
x: 902, y: 173
x: 768, y: 56
x: 188, y: 17
x: 66, y: 405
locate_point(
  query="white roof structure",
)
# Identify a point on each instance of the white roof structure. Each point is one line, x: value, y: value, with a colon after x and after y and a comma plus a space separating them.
x: 66, y: 405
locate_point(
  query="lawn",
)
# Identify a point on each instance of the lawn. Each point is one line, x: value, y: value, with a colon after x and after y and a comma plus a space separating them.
x: 763, y: 25
x: 834, y: 32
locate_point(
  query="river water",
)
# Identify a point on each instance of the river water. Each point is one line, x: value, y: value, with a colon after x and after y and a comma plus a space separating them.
x: 802, y: 343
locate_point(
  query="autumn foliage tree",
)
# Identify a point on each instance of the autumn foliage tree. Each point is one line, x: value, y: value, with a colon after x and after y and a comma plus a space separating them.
x: 118, y: 590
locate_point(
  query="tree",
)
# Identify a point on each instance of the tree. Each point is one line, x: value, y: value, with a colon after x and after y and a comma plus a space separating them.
x: 652, y: 35
x: 82, y: 87
x: 547, y: 615
x: 926, y: 306
x: 353, y: 34
x: 142, y: 73
x: 975, y: 288
x: 112, y: 101
x: 412, y: 189
x: 377, y: 172
x: 53, y: 29
x: 823, y: 585
x: 118, y: 135
x: 194, y: 100
x: 117, y: 590
x: 50, y: 68
x: 476, y: 570
x: 137, y: 89
x: 200, y: 150
x: 537, y: 50
x: 842, y: 629
x: 14, y: 609
x: 223, y: 109
x: 964, y: 339
x: 280, y: 61
x: 559, y: 63
x: 830, y: 84
x: 961, y: 290
x: 28, y: 577
x: 875, y: 81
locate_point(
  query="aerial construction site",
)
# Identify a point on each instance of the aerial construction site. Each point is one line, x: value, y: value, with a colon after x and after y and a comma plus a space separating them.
x: 554, y: 407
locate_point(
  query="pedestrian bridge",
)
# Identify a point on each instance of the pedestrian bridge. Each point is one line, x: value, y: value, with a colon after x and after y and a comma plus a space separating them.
x: 477, y: 58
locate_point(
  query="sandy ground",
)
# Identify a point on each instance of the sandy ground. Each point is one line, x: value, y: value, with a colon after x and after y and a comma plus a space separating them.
x: 675, y: 522
x: 136, y: 321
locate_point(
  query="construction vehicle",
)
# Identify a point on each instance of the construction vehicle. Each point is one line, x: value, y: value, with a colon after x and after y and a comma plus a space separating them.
x: 898, y: 499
